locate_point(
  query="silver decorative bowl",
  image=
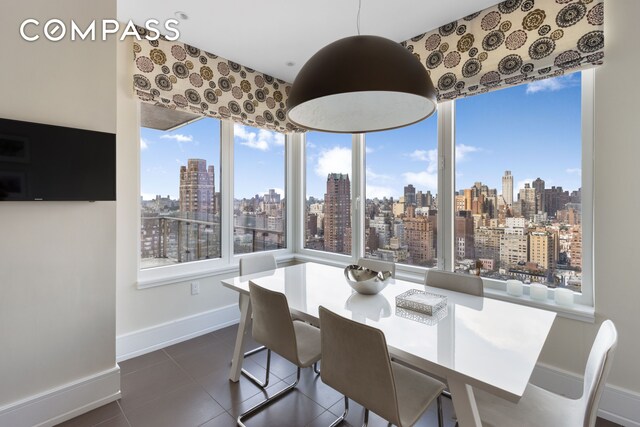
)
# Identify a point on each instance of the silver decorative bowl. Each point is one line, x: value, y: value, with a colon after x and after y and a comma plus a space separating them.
x: 365, y: 281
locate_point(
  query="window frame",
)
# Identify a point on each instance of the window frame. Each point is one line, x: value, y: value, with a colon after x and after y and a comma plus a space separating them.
x: 584, y: 302
x: 228, y: 261
x: 295, y: 194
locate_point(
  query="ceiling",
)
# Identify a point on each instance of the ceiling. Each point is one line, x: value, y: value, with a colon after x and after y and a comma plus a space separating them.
x: 266, y: 35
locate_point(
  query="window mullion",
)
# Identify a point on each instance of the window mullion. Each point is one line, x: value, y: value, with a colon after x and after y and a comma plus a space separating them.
x: 587, y: 193
x: 296, y: 192
x: 446, y: 184
x: 357, y: 196
x: 226, y: 184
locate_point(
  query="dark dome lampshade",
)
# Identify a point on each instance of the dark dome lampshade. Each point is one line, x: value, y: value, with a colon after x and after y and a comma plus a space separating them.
x: 361, y: 84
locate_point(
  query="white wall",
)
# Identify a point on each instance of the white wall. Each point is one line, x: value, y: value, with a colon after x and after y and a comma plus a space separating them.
x: 57, y: 259
x: 617, y: 239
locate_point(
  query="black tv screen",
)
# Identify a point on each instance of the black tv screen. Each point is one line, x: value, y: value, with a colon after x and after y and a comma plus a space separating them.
x: 44, y: 162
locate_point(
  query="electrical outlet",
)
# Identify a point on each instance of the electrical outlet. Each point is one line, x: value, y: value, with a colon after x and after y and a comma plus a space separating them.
x: 195, y: 288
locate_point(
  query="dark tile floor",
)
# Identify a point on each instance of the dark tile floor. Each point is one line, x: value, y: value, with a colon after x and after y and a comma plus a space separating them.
x: 187, y: 385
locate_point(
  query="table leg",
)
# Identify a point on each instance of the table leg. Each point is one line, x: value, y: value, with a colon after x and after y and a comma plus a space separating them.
x: 464, y: 403
x: 243, y: 329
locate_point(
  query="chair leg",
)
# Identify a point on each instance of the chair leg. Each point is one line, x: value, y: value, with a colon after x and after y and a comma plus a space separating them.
x: 447, y: 394
x: 315, y: 368
x: 366, y: 417
x: 268, y: 401
x: 344, y: 414
x: 256, y: 381
x: 440, y: 416
x: 254, y: 351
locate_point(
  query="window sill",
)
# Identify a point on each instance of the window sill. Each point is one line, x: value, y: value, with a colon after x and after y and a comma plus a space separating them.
x: 576, y: 311
x: 579, y: 312
x: 180, y: 273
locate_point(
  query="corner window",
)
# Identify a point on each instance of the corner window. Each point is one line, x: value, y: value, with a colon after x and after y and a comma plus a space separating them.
x: 179, y: 192
x: 259, y: 204
x: 401, y: 210
x: 327, y: 220
x: 518, y: 182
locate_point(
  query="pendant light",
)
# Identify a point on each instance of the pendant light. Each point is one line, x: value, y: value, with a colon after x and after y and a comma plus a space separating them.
x: 361, y: 84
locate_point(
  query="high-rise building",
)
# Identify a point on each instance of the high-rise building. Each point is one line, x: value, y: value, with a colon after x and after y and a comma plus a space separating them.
x: 409, y: 195
x: 420, y: 238
x: 197, y: 187
x: 555, y: 200
x: 513, y: 246
x: 487, y: 242
x: 575, y: 249
x: 527, y: 199
x: 337, y: 220
x: 538, y: 185
x: 464, y: 235
x: 507, y: 188
x: 543, y: 249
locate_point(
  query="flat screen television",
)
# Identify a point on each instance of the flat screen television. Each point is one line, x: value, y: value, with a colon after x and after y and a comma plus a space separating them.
x: 44, y: 162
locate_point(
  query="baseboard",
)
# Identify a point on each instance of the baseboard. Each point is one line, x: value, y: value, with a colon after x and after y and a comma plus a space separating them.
x: 618, y: 405
x: 159, y: 336
x: 63, y: 403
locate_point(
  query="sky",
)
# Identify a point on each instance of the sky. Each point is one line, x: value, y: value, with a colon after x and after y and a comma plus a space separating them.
x: 258, y: 156
x: 533, y: 130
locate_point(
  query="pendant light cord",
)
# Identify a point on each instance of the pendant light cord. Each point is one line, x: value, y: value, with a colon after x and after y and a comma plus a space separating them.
x: 358, y: 20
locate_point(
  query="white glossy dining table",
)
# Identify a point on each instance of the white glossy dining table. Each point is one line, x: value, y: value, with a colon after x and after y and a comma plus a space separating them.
x: 479, y: 342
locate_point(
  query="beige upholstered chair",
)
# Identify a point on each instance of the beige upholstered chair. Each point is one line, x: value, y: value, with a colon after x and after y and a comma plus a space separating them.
x: 465, y: 283
x: 257, y: 264
x: 539, y: 407
x: 251, y: 265
x: 356, y: 363
x: 296, y: 341
x: 377, y: 265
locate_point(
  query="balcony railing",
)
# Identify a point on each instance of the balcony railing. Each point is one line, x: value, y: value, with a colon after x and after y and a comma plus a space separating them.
x: 179, y: 238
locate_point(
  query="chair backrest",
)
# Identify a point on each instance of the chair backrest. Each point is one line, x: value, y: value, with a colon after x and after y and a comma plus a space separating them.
x: 272, y: 324
x: 257, y: 264
x: 377, y: 265
x: 597, y: 370
x: 355, y: 362
x: 465, y: 283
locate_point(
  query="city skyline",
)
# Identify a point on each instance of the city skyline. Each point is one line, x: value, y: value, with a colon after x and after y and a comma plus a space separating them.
x: 543, y: 140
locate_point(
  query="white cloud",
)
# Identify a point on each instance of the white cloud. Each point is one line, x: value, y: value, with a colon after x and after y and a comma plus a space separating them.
x: 334, y: 160
x: 378, y: 191
x: 373, y: 176
x: 143, y: 144
x: 424, y: 155
x: 576, y: 171
x: 263, y: 140
x: 552, y: 84
x: 369, y: 149
x: 462, y: 151
x: 425, y: 179
x: 148, y: 196
x: 428, y: 177
x: 178, y: 137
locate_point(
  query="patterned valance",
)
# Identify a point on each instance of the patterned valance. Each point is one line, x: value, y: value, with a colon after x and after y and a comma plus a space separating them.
x: 180, y: 76
x: 514, y: 42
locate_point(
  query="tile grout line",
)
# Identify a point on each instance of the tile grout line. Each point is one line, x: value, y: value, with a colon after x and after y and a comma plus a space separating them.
x: 199, y: 385
x: 123, y: 414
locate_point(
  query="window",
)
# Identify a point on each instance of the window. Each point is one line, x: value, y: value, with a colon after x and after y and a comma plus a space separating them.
x: 327, y: 221
x: 259, y: 205
x: 180, y: 200
x: 518, y: 183
x: 401, y: 208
